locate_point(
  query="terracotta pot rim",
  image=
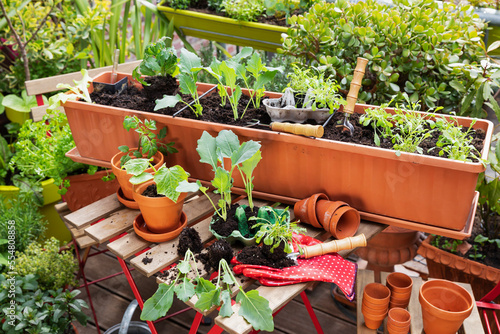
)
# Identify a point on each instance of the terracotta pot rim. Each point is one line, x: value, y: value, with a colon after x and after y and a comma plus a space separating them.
x: 338, y: 225
x: 311, y: 208
x: 370, y: 288
x: 116, y: 158
x: 399, y: 316
x: 393, y: 281
x: 438, y: 312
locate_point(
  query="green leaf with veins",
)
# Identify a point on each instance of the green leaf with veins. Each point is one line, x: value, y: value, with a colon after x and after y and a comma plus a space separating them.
x: 159, y: 304
x: 207, y: 299
x: 246, y: 151
x: 207, y: 149
x: 168, y: 101
x: 228, y: 278
x: 222, y: 180
x: 255, y: 309
x: 228, y: 143
x: 184, y: 266
x: 226, y: 309
x: 136, y: 166
x: 167, y: 180
x: 185, y: 290
x: 141, y: 178
x: 203, y: 286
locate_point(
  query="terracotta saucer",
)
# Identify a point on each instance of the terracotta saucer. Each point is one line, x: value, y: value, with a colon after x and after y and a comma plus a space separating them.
x: 129, y: 203
x: 142, y: 230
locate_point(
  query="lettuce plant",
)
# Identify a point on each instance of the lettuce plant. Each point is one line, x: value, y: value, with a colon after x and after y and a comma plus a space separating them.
x: 254, y: 308
x: 159, y: 59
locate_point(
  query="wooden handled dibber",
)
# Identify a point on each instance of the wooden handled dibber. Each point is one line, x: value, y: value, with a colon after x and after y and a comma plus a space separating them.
x: 334, y: 246
x: 299, y: 129
x: 352, y: 96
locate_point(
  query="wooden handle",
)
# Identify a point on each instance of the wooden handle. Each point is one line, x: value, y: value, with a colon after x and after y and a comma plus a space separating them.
x: 299, y: 129
x: 352, y: 96
x: 334, y: 246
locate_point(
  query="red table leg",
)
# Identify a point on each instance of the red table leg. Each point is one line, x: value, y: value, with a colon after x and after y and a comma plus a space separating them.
x: 136, y: 292
x: 310, y: 310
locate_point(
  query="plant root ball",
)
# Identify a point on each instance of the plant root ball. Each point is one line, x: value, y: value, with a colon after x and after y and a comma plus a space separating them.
x: 220, y: 249
x: 189, y: 239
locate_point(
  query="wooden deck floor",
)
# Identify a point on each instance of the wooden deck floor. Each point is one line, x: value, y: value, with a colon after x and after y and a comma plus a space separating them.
x: 111, y: 298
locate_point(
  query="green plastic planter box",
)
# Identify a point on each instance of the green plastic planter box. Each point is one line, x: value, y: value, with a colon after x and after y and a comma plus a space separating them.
x: 225, y: 30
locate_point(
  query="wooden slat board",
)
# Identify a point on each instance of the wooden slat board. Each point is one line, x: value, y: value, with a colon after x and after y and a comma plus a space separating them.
x: 114, y: 225
x: 85, y: 216
x: 47, y: 85
x: 128, y: 245
x: 471, y: 325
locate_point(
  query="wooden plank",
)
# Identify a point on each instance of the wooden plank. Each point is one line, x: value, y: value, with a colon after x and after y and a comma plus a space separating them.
x: 117, y: 223
x: 364, y: 277
x: 128, y: 245
x: 473, y: 323
x: 414, y: 308
x: 199, y: 207
x: 47, y: 85
x: 165, y: 253
x: 277, y: 297
x: 85, y: 216
x: 86, y: 241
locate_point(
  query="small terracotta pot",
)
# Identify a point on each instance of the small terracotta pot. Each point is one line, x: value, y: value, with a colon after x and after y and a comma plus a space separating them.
x: 398, y: 321
x: 325, y: 210
x: 373, y: 321
x: 399, y: 282
x: 445, y: 305
x: 305, y: 210
x: 376, y: 293
x: 344, y: 222
x: 161, y: 214
x: 123, y: 177
x: 373, y: 309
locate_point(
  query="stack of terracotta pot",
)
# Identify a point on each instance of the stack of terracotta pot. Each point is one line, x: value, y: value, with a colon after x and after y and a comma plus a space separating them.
x: 336, y: 217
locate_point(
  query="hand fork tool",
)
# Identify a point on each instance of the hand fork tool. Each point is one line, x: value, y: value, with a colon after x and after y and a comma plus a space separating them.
x: 294, y: 128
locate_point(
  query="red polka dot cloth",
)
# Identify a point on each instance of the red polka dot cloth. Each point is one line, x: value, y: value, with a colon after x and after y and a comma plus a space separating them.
x: 325, y: 268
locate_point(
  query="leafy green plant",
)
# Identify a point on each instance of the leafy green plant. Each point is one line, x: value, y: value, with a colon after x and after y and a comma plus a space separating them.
x: 411, y: 131
x: 179, y: 4
x: 254, y: 308
x: 38, y: 311
x: 455, y: 142
x: 274, y: 228
x: 159, y: 59
x: 79, y: 91
x: 320, y: 92
x: 149, y: 141
x: 410, y: 46
x: 213, y: 151
x: 167, y: 179
x: 24, y: 103
x: 243, y: 10
x: 5, y: 156
x: 190, y: 67
x: 20, y: 215
x: 55, y: 268
x: 40, y: 151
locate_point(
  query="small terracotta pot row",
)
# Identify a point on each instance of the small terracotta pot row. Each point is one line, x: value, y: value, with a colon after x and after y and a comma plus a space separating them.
x: 336, y: 217
x: 400, y: 285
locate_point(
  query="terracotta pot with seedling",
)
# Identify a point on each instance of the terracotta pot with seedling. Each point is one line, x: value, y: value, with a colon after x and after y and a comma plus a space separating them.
x: 160, y: 202
x: 149, y: 147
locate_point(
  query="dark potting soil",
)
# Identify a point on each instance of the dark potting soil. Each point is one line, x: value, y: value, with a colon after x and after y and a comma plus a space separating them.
x: 220, y: 249
x: 262, y: 255
x: 189, y: 239
x: 490, y: 251
x: 225, y: 228
x: 151, y: 191
x: 214, y: 112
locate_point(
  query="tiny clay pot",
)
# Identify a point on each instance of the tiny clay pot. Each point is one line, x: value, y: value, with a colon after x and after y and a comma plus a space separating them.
x: 344, y: 222
x: 305, y: 210
x: 398, y: 321
x: 325, y: 210
x: 376, y: 293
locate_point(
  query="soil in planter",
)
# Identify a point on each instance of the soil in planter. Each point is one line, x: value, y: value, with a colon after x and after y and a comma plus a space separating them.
x: 262, y: 255
x: 490, y: 250
x: 214, y: 112
x: 189, y: 239
x: 151, y: 191
x: 225, y: 228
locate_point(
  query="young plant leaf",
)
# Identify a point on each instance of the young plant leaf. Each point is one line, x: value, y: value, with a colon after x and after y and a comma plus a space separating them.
x: 185, y: 290
x: 207, y: 149
x: 136, y: 166
x: 168, y: 101
x: 255, y: 309
x: 222, y: 180
x: 228, y: 143
x: 159, y: 304
x: 246, y: 151
x: 167, y: 180
x: 207, y: 299
x: 226, y: 309
x: 203, y: 286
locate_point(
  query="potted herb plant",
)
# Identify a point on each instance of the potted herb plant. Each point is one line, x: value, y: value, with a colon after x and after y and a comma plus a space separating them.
x: 18, y: 108
x: 237, y: 26
x: 149, y: 147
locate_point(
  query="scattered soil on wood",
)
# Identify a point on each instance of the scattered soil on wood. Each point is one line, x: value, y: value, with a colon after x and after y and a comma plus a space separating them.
x: 262, y: 255
x: 213, y: 111
x: 490, y: 250
x: 220, y: 249
x: 189, y: 239
x: 225, y: 228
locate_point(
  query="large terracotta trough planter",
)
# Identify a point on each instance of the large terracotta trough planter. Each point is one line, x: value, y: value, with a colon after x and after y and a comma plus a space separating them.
x: 410, y: 188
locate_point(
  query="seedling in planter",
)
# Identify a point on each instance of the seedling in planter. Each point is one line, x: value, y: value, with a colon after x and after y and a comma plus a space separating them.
x: 244, y: 157
x: 167, y: 179
x: 149, y: 142
x: 254, y: 308
x: 159, y: 59
x: 454, y: 142
x: 79, y: 91
x: 190, y: 67
x: 275, y: 228
x: 412, y: 131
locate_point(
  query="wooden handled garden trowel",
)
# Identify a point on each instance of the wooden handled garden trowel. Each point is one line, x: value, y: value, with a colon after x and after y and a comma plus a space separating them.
x: 352, y: 96
x: 329, y: 247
